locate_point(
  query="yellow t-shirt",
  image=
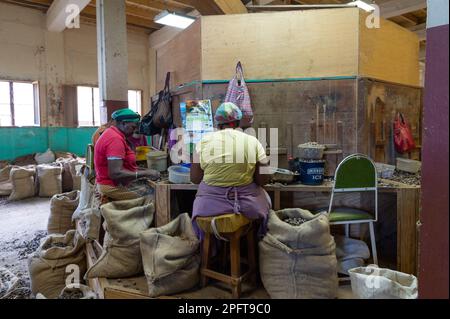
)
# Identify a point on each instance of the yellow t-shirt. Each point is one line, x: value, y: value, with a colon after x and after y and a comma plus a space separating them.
x: 228, y: 157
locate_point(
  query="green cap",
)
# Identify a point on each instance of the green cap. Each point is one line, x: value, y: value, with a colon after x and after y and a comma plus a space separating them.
x: 126, y: 115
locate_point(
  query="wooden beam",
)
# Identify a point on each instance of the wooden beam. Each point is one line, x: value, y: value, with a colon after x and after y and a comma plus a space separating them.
x: 216, y: 7
x: 158, y: 6
x: 420, y: 30
x: 139, y: 18
x: 205, y: 7
x: 394, y: 8
x: 231, y: 6
x: 294, y: 7
x: 60, y: 11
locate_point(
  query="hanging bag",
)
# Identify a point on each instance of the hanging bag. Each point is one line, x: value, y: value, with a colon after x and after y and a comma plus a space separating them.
x: 403, y: 138
x: 160, y: 114
x: 238, y: 94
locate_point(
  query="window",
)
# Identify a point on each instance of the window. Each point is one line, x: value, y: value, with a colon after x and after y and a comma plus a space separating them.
x: 135, y: 101
x: 19, y: 104
x: 89, y: 104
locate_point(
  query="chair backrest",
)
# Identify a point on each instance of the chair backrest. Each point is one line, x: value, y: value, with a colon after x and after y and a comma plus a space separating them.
x: 356, y: 172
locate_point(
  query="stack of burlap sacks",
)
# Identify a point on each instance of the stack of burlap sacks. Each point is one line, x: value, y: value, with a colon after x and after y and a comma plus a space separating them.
x: 296, y: 261
x: 169, y: 256
x: 44, y: 178
x: 60, y: 260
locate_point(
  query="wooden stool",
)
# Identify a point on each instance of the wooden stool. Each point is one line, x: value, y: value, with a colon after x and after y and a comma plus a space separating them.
x: 232, y: 227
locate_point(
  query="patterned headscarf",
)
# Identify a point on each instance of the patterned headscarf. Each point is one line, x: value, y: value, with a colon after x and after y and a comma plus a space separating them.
x: 126, y: 115
x: 227, y: 113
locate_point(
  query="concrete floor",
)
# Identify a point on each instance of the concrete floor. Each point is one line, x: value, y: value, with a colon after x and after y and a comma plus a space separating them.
x: 24, y: 223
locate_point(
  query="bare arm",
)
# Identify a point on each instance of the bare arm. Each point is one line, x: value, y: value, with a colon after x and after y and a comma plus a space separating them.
x: 118, y: 174
x: 196, y: 173
x: 261, y: 179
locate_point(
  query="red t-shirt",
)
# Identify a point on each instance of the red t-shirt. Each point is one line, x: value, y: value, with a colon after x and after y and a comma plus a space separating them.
x: 112, y: 144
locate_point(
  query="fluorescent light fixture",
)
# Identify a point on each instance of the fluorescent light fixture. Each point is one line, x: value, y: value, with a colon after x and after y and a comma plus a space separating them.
x: 362, y: 5
x: 174, y: 19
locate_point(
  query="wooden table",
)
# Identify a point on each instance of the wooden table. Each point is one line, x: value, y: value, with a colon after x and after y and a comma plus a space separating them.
x: 407, y: 204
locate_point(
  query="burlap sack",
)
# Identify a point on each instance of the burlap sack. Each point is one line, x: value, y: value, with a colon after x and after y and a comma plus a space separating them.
x: 49, y: 180
x: 67, y: 180
x: 45, y: 158
x: 89, y: 221
x: 121, y: 256
x: 5, y: 173
x: 50, y: 265
x: 71, y: 178
x: 25, y: 160
x: 298, y: 262
x: 74, y: 291
x: 64, y: 155
x: 6, y: 188
x: 86, y: 197
x: 3, y: 164
x: 350, y: 253
x: 5, y: 181
x: 171, y: 257
x: 22, y: 179
x: 62, y: 207
x: 75, y: 169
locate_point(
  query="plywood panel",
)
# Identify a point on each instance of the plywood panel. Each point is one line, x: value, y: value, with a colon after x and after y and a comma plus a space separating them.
x: 378, y: 104
x: 390, y: 53
x: 296, y: 44
x: 182, y: 56
x: 322, y: 111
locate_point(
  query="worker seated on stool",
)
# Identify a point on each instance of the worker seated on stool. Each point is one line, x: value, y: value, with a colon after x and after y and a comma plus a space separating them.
x: 117, y: 174
x: 227, y: 167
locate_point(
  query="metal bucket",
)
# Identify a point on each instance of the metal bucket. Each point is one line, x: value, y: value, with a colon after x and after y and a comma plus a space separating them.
x: 312, y: 172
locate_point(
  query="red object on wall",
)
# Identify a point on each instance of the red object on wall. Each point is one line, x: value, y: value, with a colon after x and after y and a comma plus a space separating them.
x: 403, y: 138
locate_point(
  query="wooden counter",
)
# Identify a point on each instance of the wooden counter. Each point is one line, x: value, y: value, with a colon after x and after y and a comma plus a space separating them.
x: 407, y: 207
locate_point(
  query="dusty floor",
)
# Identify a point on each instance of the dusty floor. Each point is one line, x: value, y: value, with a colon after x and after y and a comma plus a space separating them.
x: 22, y: 225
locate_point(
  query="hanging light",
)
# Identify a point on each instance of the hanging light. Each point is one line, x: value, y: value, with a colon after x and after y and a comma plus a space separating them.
x: 362, y: 5
x: 174, y: 19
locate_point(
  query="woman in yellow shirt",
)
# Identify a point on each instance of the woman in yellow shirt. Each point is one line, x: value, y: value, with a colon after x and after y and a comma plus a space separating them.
x: 229, y: 171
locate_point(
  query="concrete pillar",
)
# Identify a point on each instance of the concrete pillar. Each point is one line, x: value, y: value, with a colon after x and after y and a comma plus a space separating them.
x: 55, y: 78
x: 112, y: 56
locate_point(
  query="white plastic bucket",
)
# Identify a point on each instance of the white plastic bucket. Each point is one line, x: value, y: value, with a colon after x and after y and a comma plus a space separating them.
x: 179, y: 175
x: 379, y: 283
x: 157, y: 160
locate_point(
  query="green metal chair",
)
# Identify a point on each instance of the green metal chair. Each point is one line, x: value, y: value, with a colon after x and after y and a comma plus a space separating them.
x: 356, y: 173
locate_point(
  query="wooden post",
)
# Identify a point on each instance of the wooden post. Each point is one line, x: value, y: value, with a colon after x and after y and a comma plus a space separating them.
x: 277, y: 200
x: 407, y: 237
x: 162, y: 194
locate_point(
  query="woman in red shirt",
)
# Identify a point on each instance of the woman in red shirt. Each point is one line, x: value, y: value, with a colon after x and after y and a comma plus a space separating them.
x: 116, y: 171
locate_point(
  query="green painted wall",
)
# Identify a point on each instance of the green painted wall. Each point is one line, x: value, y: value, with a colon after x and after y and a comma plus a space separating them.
x: 15, y: 142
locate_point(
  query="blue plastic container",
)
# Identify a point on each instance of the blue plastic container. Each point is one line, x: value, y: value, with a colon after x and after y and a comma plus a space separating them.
x: 312, y: 172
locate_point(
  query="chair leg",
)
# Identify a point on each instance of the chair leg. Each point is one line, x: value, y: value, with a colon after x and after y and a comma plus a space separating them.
x: 251, y: 251
x: 205, y: 258
x: 373, y: 244
x: 235, y: 256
